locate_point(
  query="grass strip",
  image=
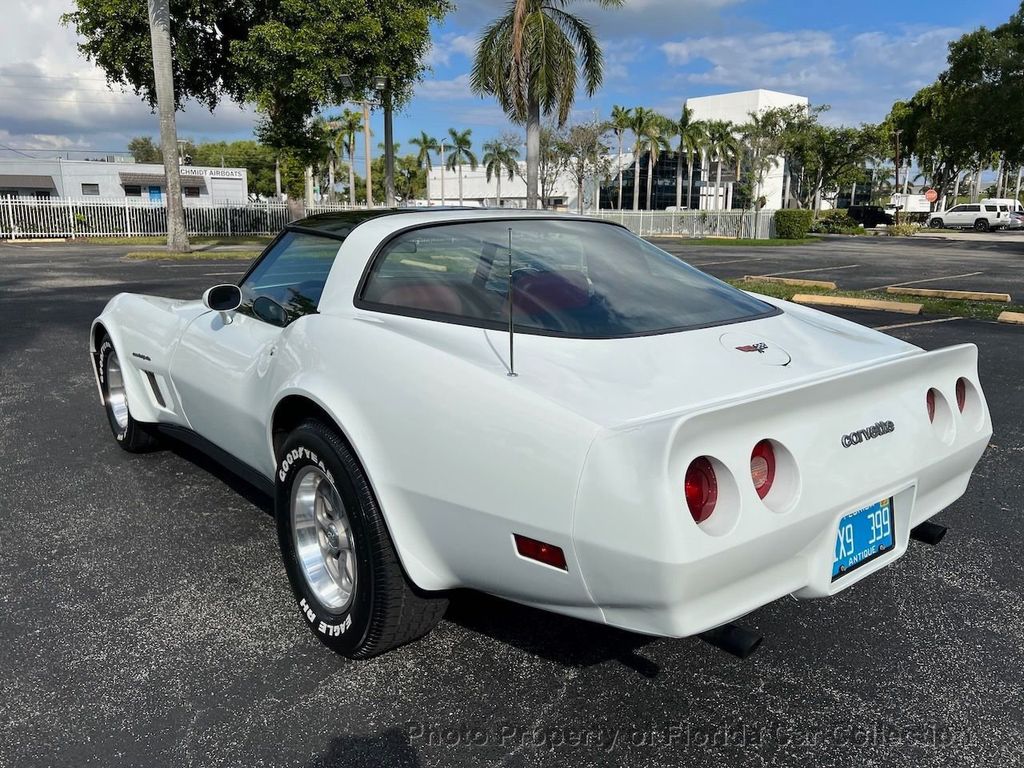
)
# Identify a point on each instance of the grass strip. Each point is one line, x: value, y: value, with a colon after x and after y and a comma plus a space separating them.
x: 978, y: 310
x: 193, y: 256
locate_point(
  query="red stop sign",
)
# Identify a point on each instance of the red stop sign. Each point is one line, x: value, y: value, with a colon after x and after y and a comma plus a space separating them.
x: 931, y: 195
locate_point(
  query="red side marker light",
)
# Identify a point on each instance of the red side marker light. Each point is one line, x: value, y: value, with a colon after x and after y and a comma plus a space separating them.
x: 548, y: 554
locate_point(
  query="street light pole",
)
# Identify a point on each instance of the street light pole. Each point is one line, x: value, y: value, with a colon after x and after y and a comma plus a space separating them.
x: 369, y: 160
x: 389, y: 150
x: 896, y: 185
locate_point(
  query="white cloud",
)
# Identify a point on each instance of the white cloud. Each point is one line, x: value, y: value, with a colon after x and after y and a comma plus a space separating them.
x: 446, y: 90
x: 655, y: 19
x: 448, y: 46
x: 862, y: 74
x: 54, y: 99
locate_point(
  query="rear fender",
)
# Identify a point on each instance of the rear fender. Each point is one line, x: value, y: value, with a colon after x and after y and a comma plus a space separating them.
x: 424, y: 566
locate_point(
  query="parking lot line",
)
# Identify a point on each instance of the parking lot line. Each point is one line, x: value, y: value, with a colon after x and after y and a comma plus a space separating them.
x: 803, y: 271
x: 926, y: 280
x: 728, y: 261
x: 918, y: 322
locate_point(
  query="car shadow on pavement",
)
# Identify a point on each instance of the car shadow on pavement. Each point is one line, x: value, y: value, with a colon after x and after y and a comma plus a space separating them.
x: 564, y: 640
x: 390, y: 748
x: 239, y: 485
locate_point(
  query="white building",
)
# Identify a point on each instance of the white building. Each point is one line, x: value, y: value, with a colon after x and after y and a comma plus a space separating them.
x: 476, y: 190
x: 119, y: 180
x: 737, y: 108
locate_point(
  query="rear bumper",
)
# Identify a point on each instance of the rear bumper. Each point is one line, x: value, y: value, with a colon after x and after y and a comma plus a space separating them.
x: 659, y: 573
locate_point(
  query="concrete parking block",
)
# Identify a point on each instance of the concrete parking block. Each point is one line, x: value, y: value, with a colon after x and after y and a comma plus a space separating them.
x: 1014, y: 318
x: 936, y: 293
x: 827, y: 284
x: 902, y: 307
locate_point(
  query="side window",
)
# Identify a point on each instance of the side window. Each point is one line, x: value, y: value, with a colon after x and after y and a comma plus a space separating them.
x: 287, y: 282
x: 991, y: 208
x: 972, y: 208
x: 957, y: 209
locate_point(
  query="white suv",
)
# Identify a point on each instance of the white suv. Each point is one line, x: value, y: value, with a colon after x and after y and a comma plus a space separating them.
x: 983, y: 216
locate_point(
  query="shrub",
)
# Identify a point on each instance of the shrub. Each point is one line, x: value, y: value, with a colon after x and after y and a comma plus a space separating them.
x: 902, y: 230
x: 793, y: 223
x: 836, y: 223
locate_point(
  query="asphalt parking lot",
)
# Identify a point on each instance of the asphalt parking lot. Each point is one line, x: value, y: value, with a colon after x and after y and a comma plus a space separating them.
x: 992, y: 262
x: 146, y: 619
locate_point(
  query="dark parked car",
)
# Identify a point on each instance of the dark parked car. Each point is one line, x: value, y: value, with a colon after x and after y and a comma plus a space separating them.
x: 869, y: 215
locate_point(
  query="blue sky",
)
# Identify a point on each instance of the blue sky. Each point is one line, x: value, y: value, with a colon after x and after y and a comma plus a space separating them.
x: 857, y: 56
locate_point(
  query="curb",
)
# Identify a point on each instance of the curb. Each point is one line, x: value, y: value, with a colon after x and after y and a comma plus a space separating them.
x: 940, y: 294
x: 901, y: 307
x: 828, y: 284
x: 1014, y: 318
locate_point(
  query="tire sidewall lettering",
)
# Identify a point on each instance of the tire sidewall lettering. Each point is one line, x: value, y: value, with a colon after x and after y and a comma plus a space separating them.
x: 290, y: 459
x: 330, y: 627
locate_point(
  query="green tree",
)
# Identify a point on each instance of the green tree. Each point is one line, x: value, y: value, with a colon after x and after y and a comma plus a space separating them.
x: 530, y: 60
x: 500, y: 157
x: 585, y: 155
x: 692, y: 140
x: 648, y: 132
x: 985, y: 79
x: 619, y: 124
x: 461, y: 153
x: 723, y: 147
x: 285, y: 57
x: 424, y: 146
x: 348, y: 126
x: 144, y: 150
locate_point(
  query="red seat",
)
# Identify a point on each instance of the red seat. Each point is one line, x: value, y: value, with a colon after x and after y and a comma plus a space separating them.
x: 547, y: 292
x: 430, y: 296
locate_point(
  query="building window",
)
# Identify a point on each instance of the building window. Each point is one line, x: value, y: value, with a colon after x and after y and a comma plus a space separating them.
x: 133, y: 190
x: 191, y: 191
x: 42, y: 195
x: 90, y: 189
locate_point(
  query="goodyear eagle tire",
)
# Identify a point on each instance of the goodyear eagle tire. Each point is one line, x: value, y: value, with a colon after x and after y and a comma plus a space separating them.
x: 130, y: 434
x: 349, y: 584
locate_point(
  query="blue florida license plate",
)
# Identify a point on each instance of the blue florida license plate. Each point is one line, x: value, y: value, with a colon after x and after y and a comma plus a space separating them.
x: 863, y: 535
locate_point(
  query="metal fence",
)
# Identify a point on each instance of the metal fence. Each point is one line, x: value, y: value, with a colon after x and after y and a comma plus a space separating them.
x: 740, y: 224
x: 26, y: 218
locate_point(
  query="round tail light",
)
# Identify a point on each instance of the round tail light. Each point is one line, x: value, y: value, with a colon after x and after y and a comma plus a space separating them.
x: 929, y: 401
x: 961, y: 393
x: 762, y: 467
x: 701, y: 489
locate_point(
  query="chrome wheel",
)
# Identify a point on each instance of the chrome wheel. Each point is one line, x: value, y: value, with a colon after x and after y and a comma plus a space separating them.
x: 117, y: 401
x: 324, y: 544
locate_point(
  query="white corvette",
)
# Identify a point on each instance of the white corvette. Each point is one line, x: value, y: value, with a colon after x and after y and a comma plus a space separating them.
x: 548, y: 409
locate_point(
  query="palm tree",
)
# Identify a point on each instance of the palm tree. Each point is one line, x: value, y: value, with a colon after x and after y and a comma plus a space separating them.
x: 163, y: 76
x: 349, y: 125
x: 461, y: 153
x: 425, y: 145
x: 498, y: 157
x: 721, y: 145
x: 646, y: 126
x: 527, y: 60
x: 619, y: 124
x: 692, y: 138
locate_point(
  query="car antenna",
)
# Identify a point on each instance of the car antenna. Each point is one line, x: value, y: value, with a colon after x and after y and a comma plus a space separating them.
x: 511, y: 310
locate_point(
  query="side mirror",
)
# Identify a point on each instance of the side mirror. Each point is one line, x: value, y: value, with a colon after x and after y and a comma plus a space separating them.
x: 269, y: 311
x: 223, y: 298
